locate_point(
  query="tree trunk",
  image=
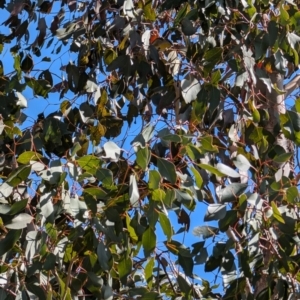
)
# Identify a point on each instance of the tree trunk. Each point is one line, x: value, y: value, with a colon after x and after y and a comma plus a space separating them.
x: 275, y: 104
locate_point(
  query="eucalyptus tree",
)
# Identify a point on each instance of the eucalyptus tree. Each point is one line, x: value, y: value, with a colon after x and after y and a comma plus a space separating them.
x: 211, y: 89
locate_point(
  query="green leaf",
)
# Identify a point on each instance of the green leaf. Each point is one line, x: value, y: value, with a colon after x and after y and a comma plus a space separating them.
x: 144, y: 137
x: 96, y: 192
x: 103, y: 256
x: 19, y: 222
x: 227, y: 170
x: 109, y: 56
x: 167, y: 170
x: 242, y: 163
x: 131, y: 230
x: 105, y: 176
x: 154, y: 180
x: 158, y: 195
x: 193, y: 152
x: 149, y: 241
x: 187, y: 264
x: 232, y: 192
x: 174, y: 246
x: 213, y: 263
x: 18, y: 207
x: 49, y: 263
x: 295, y: 118
x: 89, y: 163
x: 198, y: 178
x: 19, y: 175
x: 273, y: 32
x: 211, y: 169
x: 180, y: 15
x: 215, y: 212
x: 190, y: 87
x: 230, y: 218
x: 65, y: 292
x: 122, y: 61
x: 201, y: 258
x: 292, y: 194
x: 213, y: 57
x: 149, y: 272
x: 124, y: 268
x: 207, y: 144
x: 151, y: 296
x: 171, y: 138
x: 169, y: 198
x: 284, y: 16
x: 166, y: 225
x: 297, y: 105
x: 276, y: 213
x: 9, y: 240
x: 216, y: 77
x: 187, y: 27
x: 17, y: 65
x: 28, y: 156
x: 282, y: 158
x: 205, y: 231
x: 134, y: 195
x: 65, y: 33
x: 143, y: 157
x: 184, y: 286
x: 149, y: 11
x: 40, y: 87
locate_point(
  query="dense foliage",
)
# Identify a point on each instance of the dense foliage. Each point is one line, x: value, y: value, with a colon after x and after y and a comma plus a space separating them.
x: 83, y: 204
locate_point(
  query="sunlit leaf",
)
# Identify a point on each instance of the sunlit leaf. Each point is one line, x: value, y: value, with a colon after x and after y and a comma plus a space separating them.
x: 227, y: 170
x: 19, y: 222
x: 166, y: 225
x: 241, y: 162
x: 149, y: 272
x: 232, y: 192
x: 205, y: 231
x: 215, y: 212
x: 124, y: 268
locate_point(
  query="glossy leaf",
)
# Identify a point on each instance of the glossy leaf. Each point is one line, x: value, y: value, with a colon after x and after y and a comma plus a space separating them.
x: 9, y: 240
x: 28, y: 156
x: 227, y: 170
x: 134, y: 194
x: 215, y: 212
x: 190, y: 88
x: 19, y: 175
x: 232, y: 192
x: 20, y: 221
x: 167, y: 170
x: 242, y: 163
x: 205, y: 231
